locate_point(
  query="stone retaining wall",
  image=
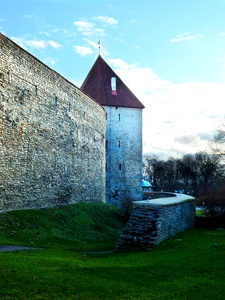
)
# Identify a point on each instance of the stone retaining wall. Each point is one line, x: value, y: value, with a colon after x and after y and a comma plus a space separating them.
x: 52, y: 136
x: 154, y: 221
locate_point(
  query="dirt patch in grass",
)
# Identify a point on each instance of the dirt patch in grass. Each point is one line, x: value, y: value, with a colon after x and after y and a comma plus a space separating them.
x: 10, y: 248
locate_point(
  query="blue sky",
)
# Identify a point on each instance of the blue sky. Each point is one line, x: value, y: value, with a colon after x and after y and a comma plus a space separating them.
x: 170, y: 53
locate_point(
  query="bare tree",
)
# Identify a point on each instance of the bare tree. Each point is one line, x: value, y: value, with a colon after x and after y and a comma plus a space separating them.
x: 187, y: 169
x: 170, y: 182
x: 154, y: 171
x: 210, y: 170
x: 218, y: 144
x: 193, y: 173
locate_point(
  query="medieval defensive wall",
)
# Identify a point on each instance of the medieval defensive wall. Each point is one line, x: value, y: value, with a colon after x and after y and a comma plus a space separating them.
x: 52, y: 136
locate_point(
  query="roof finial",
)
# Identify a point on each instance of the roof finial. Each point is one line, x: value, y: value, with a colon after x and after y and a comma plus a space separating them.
x: 99, y: 46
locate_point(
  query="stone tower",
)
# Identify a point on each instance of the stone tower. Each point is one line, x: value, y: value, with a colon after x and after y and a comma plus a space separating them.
x: 123, y: 132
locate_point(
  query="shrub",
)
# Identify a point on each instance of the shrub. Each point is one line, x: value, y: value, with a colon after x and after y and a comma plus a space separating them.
x: 126, y: 204
x: 214, y: 199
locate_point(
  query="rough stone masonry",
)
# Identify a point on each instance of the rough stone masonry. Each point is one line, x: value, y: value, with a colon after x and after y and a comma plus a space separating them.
x: 52, y: 136
x: 153, y: 221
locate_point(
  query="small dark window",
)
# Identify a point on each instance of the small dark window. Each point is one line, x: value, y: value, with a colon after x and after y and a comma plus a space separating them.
x: 120, y: 167
x: 116, y: 192
x: 36, y: 90
x: 118, y: 117
x: 106, y: 144
x: 10, y: 162
x: 118, y: 143
x: 69, y: 107
x: 9, y: 77
x: 56, y: 100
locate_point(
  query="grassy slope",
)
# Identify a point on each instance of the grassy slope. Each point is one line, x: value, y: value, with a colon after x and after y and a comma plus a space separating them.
x: 187, y: 266
x: 74, y: 224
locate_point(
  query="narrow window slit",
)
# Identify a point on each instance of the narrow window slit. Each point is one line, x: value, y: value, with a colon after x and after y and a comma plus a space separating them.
x: 113, y: 86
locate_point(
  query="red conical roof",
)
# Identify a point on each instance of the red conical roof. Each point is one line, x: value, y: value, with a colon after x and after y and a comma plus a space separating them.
x: 98, y: 85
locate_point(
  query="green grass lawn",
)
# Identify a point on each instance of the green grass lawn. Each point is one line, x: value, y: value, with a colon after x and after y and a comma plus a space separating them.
x: 187, y: 266
x: 201, y: 212
x: 82, y: 225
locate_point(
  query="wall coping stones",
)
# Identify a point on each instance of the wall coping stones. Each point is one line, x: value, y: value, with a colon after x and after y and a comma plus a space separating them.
x: 176, y: 199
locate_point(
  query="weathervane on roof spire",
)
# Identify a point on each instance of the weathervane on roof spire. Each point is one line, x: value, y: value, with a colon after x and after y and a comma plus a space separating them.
x: 99, y: 46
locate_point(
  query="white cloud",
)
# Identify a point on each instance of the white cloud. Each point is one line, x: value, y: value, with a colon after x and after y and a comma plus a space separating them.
x: 107, y: 20
x: 28, y: 16
x: 93, y: 44
x: 41, y: 44
x: 55, y: 45
x: 119, y: 40
x: 88, y: 28
x: 133, y: 21
x: 45, y: 33
x: 144, y: 81
x: 49, y: 60
x: 36, y: 44
x: 20, y: 41
x: 96, y: 46
x: 82, y: 50
x: 220, y: 60
x: 183, y: 34
x: 2, y: 20
x: 193, y: 139
x: 178, y: 118
x: 84, y: 26
x: 61, y: 31
x: 68, y: 33
x: 185, y: 37
x: 121, y: 65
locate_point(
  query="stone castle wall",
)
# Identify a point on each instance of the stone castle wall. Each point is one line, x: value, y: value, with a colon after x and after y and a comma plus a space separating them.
x: 154, y: 221
x: 123, y: 154
x: 52, y: 136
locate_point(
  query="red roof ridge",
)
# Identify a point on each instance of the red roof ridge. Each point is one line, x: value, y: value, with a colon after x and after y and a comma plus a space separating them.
x: 97, y: 84
x: 87, y: 77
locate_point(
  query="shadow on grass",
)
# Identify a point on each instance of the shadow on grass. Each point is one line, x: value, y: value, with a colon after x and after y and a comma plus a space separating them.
x: 186, y: 267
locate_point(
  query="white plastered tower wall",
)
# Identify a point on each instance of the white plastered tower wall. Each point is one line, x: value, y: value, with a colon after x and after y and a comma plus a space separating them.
x: 123, y: 132
x: 123, y: 154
